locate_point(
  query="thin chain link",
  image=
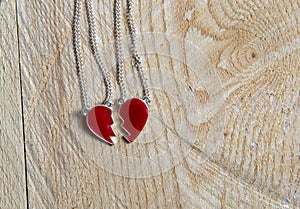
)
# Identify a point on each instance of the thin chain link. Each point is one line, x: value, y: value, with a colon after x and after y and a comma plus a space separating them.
x: 119, y: 52
x: 78, y: 53
x: 136, y: 58
x: 135, y: 55
x: 92, y: 35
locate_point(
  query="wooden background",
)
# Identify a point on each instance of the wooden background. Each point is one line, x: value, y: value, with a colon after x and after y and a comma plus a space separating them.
x: 245, y: 154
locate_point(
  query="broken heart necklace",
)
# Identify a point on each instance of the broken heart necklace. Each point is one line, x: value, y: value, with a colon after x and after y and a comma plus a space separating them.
x: 98, y: 117
x: 133, y: 112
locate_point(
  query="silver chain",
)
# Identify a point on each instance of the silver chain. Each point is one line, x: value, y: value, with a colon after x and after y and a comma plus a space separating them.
x: 94, y: 45
x: 92, y: 35
x: 119, y: 51
x: 78, y: 55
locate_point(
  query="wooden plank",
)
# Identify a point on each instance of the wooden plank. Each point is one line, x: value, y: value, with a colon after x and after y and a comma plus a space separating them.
x: 224, y: 120
x: 12, y: 170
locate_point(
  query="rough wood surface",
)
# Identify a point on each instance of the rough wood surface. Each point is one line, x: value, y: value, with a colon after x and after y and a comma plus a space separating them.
x: 224, y: 125
x: 12, y: 170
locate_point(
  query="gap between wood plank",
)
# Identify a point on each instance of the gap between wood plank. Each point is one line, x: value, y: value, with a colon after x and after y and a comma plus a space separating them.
x: 22, y: 105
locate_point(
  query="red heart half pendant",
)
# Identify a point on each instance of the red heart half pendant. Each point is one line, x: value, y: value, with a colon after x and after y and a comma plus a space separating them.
x: 99, y: 121
x: 134, y: 113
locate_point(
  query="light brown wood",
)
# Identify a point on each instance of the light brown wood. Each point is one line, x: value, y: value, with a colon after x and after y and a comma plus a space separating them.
x: 12, y: 170
x: 224, y: 123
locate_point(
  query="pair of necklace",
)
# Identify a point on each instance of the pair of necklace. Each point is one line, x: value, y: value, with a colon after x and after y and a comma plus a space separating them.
x: 133, y: 112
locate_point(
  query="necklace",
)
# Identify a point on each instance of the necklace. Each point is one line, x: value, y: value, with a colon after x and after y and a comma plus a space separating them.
x: 99, y: 117
x: 133, y: 112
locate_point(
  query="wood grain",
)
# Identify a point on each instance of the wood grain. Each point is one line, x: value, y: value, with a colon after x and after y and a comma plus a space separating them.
x: 12, y: 170
x: 224, y: 122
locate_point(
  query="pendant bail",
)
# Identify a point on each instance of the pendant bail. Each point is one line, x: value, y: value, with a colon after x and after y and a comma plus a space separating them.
x: 84, y: 111
x: 121, y: 100
x: 147, y: 100
x: 108, y: 103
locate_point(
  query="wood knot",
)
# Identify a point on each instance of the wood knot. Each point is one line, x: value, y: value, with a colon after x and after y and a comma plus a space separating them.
x: 246, y: 57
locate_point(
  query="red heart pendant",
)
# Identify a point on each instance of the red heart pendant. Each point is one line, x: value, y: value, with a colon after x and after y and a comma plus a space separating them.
x: 134, y: 113
x: 99, y: 121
